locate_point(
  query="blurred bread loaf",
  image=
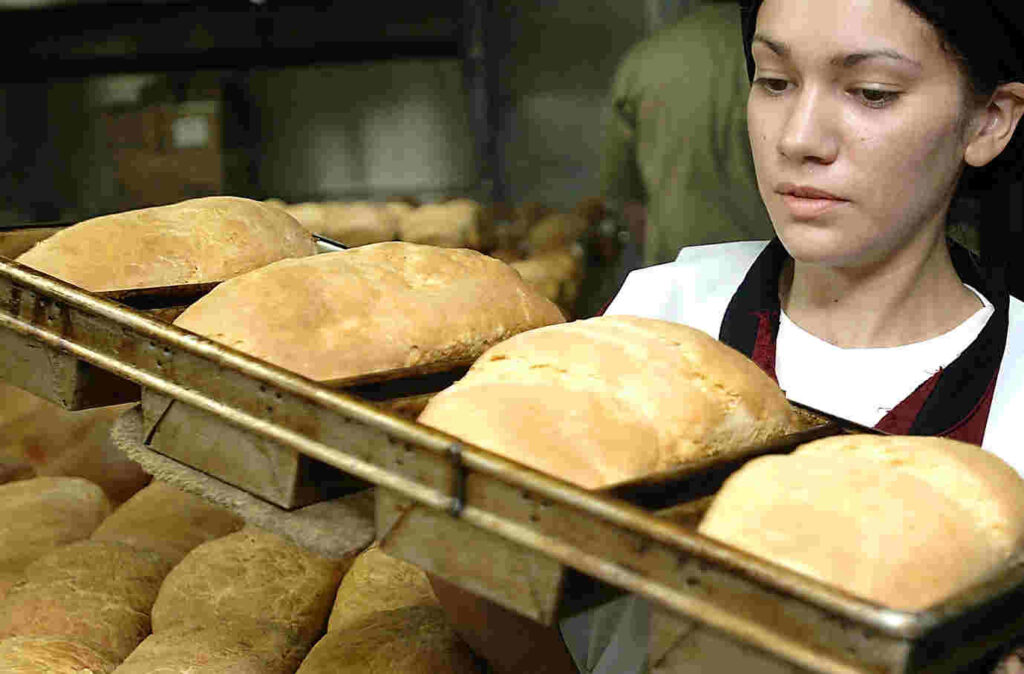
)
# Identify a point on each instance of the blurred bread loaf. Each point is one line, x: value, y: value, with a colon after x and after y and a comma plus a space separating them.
x: 355, y: 223
x: 378, y: 307
x: 42, y: 514
x: 250, y: 576
x: 555, y: 274
x: 861, y: 512
x: 195, y: 241
x: 167, y: 521
x: 608, y: 399
x: 55, y: 442
x: 48, y: 655
x: 453, y: 224
x: 97, y: 594
x: 410, y: 640
x: 378, y: 582
x: 231, y: 647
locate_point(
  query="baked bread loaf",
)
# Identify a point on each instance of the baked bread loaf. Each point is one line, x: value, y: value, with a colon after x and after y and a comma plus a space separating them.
x: 254, y: 576
x: 47, y: 655
x: 369, y: 309
x: 453, y: 224
x: 105, y: 623
x: 410, y: 640
x: 555, y: 274
x: 42, y: 514
x: 356, y: 223
x: 195, y: 241
x: 609, y: 399
x: 228, y: 648
x: 55, y: 442
x: 554, y: 232
x: 167, y: 521
x: 902, y: 521
x: 378, y: 582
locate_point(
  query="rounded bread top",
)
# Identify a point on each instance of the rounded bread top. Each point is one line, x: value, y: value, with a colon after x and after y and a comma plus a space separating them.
x: 374, y: 308
x: 194, y: 241
x: 609, y: 399
x: 902, y: 521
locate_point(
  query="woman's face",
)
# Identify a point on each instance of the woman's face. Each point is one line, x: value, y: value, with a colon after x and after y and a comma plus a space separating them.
x: 856, y: 124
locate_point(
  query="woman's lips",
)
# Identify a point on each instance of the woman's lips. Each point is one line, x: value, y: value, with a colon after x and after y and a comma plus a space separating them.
x: 805, y: 203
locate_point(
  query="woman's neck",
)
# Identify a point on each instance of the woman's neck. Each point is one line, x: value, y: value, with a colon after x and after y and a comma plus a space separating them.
x: 912, y: 296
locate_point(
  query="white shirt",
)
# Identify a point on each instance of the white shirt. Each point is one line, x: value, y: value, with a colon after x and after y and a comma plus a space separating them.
x: 852, y: 388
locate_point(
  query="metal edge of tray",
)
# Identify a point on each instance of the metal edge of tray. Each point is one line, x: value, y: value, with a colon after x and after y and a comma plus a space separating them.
x: 610, y: 540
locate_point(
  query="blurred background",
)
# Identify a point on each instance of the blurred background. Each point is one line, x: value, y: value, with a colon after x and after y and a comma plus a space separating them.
x: 106, y: 106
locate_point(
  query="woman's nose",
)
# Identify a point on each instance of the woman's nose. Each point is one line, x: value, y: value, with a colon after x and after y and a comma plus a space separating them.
x: 809, y: 133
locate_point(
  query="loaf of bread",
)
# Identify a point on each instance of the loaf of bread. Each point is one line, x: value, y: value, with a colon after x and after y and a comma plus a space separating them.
x: 608, y: 399
x: 902, y: 521
x: 105, y: 623
x: 453, y: 224
x: 355, y: 223
x: 378, y: 582
x: 554, y: 232
x: 55, y: 442
x: 47, y: 655
x: 231, y: 647
x: 97, y: 594
x: 249, y: 575
x: 42, y: 514
x: 113, y: 569
x: 555, y: 274
x: 410, y: 640
x: 195, y: 241
x: 167, y: 521
x: 378, y: 307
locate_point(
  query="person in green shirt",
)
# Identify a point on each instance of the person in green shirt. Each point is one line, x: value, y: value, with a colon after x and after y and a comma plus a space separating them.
x: 675, y: 142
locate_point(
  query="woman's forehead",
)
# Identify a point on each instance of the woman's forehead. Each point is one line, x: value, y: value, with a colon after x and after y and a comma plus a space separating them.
x: 835, y: 28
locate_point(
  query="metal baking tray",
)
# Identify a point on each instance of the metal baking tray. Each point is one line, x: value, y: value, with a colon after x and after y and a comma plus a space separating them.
x: 51, y: 373
x: 274, y: 472
x: 541, y: 521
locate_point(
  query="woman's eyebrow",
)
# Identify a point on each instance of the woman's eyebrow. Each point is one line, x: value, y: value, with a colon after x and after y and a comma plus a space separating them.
x: 842, y: 60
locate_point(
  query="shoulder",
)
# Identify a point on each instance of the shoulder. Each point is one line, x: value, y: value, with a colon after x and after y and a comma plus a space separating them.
x: 695, y: 289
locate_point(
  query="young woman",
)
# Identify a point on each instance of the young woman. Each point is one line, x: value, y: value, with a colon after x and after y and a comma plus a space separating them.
x: 865, y: 119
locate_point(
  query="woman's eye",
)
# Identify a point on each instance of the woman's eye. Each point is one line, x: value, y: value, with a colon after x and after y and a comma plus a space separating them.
x: 875, y: 98
x: 772, y: 85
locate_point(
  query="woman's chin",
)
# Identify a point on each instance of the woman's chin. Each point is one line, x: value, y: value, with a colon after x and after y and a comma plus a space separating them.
x: 821, y: 247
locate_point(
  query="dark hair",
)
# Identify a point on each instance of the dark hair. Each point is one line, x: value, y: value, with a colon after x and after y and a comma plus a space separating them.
x: 987, y: 38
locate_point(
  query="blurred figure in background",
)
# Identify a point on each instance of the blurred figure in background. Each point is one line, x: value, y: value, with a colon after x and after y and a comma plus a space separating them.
x: 676, y: 163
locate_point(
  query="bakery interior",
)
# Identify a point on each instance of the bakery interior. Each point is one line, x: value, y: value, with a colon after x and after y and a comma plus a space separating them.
x: 228, y: 503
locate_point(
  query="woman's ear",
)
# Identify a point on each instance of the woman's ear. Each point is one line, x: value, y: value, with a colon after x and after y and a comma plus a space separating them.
x: 994, y: 125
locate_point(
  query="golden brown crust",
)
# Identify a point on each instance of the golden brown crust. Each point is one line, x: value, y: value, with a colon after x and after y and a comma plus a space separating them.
x: 45, y: 513
x: 167, y: 521
x: 980, y: 482
x: 608, y: 399
x: 905, y: 522
x: 249, y: 575
x: 378, y: 582
x: 356, y: 223
x: 104, y: 622
x: 49, y: 655
x: 195, y: 241
x: 378, y: 307
x: 231, y: 647
x: 454, y: 224
x: 410, y: 640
